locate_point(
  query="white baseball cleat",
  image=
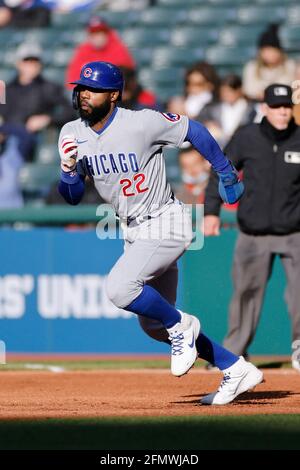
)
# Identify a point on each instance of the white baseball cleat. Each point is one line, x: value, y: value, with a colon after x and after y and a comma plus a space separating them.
x: 183, y: 337
x: 239, y: 378
x: 296, y: 364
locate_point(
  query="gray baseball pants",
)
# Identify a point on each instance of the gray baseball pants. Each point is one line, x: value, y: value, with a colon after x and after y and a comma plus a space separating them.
x: 252, y: 267
x: 152, y: 249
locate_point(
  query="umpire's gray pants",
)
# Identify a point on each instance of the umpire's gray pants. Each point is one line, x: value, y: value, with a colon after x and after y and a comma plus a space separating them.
x: 252, y: 267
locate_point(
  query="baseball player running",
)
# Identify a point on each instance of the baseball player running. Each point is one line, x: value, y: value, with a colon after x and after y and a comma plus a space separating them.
x: 121, y: 151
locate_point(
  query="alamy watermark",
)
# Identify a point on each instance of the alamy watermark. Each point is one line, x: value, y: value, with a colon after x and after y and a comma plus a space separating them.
x: 178, y: 222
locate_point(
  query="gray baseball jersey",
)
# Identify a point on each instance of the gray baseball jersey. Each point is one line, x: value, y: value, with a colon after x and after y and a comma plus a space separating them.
x: 125, y: 158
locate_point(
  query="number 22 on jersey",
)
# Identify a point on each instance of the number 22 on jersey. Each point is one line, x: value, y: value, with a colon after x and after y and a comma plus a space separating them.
x: 134, y: 186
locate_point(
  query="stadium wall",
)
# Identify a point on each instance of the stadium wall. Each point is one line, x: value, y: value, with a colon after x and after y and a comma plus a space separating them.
x: 52, y: 295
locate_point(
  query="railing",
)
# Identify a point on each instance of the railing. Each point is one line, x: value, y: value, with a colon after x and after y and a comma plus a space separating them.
x: 63, y: 215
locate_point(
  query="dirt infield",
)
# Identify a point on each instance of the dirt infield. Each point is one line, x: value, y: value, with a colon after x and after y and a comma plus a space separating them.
x: 41, y: 394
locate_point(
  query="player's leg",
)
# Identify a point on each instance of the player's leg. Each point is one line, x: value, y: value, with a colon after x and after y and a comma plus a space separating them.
x: 239, y: 376
x: 291, y: 262
x: 252, y: 267
x: 243, y: 376
x: 166, y: 285
x: 128, y: 288
x: 209, y: 350
x: 146, y: 258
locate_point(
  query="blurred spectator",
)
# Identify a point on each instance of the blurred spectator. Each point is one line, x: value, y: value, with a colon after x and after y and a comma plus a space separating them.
x: 134, y: 96
x: 201, y: 87
x: 11, y: 161
x: 24, y: 13
x: 222, y: 118
x: 270, y: 66
x: 5, y: 14
x: 194, y: 174
x: 103, y: 44
x: 31, y: 100
x: 268, y: 215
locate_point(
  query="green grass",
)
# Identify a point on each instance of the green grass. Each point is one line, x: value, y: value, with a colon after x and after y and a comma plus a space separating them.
x: 88, y: 364
x: 168, y: 433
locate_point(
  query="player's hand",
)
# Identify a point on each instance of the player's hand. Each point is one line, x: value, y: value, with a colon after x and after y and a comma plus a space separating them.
x: 231, y: 187
x: 211, y: 225
x: 68, y: 150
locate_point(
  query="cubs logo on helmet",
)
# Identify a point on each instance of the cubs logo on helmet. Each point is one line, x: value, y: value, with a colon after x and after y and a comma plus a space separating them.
x: 99, y: 75
x: 87, y: 72
x: 173, y: 117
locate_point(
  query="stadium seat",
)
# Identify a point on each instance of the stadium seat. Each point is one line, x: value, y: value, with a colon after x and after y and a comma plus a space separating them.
x: 168, y: 82
x: 295, y: 55
x: 168, y: 75
x: 47, y: 154
x: 162, y: 17
x: 45, y: 38
x: 220, y: 55
x: 290, y: 37
x: 120, y: 19
x: 293, y: 15
x: 142, y: 56
x: 37, y: 177
x: 180, y: 3
x: 164, y: 83
x: 224, y: 70
x: 172, y: 167
x: 55, y: 74
x: 70, y: 37
x: 5, y: 34
x: 11, y: 37
x: 140, y: 37
x: 170, y: 57
x: 231, y: 3
x: 167, y: 91
x: 50, y: 38
x: 70, y: 20
x: 61, y: 56
x: 260, y: 14
x: 8, y: 58
x: 276, y: 2
x: 237, y: 35
x: 214, y: 16
x: 146, y: 77
x: 171, y: 77
x: 194, y: 36
x: 7, y: 74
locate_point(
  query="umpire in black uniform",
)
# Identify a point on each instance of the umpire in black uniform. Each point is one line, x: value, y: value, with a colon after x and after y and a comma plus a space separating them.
x: 268, y: 215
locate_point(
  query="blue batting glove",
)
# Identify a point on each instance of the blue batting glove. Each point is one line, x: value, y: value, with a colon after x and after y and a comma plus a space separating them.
x: 231, y: 188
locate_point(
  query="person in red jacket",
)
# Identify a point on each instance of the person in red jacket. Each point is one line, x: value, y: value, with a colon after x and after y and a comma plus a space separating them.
x: 104, y: 44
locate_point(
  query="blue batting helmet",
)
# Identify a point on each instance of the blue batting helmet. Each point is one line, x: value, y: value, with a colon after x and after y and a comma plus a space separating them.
x: 101, y: 76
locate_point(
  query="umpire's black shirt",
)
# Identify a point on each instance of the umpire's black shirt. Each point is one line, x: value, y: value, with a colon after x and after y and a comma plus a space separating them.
x: 270, y: 160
